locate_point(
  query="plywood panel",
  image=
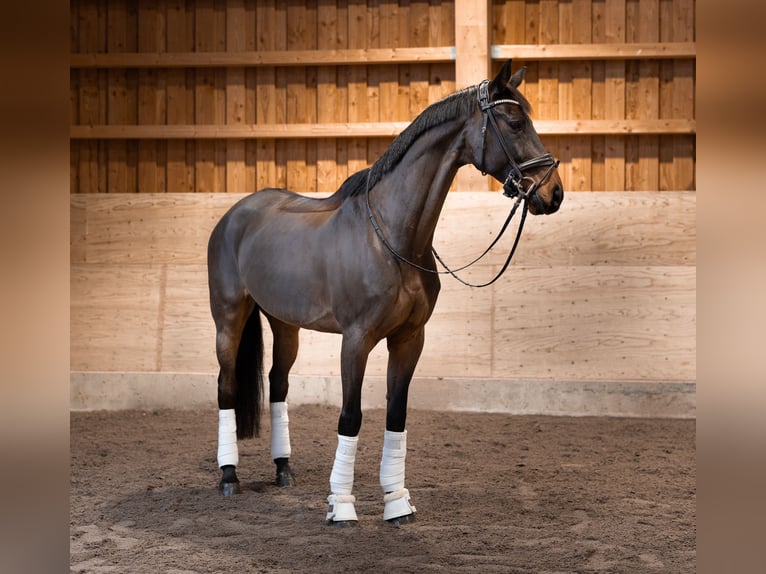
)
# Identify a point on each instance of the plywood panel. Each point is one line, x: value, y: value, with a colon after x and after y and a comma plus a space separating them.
x: 618, y: 323
x: 115, y: 317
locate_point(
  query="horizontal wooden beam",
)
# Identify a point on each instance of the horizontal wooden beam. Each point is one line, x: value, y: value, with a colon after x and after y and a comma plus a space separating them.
x: 358, y: 129
x: 683, y: 50
x: 668, y: 50
x: 273, y: 58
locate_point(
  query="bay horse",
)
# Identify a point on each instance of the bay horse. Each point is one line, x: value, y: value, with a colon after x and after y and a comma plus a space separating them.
x: 358, y: 263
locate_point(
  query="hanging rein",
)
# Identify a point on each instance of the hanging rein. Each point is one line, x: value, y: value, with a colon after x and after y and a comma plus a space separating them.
x: 512, y: 187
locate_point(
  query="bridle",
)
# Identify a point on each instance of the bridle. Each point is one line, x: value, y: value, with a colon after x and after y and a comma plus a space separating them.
x: 512, y: 187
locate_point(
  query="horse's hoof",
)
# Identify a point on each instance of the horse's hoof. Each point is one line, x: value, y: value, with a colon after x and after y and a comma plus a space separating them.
x: 285, y: 475
x: 402, y: 520
x: 229, y: 488
x: 341, y: 523
x: 285, y: 479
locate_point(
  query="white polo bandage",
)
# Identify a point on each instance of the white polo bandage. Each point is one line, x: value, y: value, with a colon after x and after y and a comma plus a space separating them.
x: 342, y: 475
x: 280, y: 431
x: 227, y: 438
x: 392, y: 462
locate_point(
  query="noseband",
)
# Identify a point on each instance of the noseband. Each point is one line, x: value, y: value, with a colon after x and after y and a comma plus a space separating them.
x: 512, y: 187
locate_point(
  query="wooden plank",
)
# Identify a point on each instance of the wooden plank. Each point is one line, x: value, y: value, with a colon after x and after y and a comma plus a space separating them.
x: 187, y: 330
x: 471, y: 66
x: 147, y: 229
x: 180, y: 99
x: 236, y: 41
x: 268, y: 58
x: 328, y: 110
x: 152, y: 155
x: 140, y: 301
x: 684, y: 88
x: 597, y: 51
x: 91, y: 86
x: 366, y: 129
x: 114, y: 317
x: 614, y: 99
x: 597, y: 324
x: 265, y: 94
x: 659, y: 229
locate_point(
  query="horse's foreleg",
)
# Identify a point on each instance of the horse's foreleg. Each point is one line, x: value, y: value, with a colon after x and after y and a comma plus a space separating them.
x: 354, y: 353
x: 285, y: 352
x: 404, y: 352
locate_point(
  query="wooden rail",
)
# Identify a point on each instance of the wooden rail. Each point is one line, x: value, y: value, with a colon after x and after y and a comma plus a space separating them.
x: 424, y: 55
x: 669, y: 50
x: 358, y: 129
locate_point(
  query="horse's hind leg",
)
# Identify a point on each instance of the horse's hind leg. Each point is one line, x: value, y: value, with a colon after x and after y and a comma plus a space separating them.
x: 284, y: 353
x: 230, y: 320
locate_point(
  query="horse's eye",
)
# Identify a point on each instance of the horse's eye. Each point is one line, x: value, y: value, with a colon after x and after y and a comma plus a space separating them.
x: 516, y: 124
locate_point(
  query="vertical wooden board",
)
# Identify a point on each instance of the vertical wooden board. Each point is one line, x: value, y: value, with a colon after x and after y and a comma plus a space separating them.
x: 358, y: 109
x: 121, y: 97
x: 266, y: 91
x: 298, y: 100
x: 236, y: 96
x: 648, y: 88
x: 91, y: 168
x: 152, y: 155
x: 614, y: 98
x: 327, y: 88
x: 575, y: 27
x: 684, y: 147
x: 180, y: 170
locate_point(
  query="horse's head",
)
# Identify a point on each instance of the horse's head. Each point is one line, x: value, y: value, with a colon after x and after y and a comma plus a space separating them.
x: 506, y: 145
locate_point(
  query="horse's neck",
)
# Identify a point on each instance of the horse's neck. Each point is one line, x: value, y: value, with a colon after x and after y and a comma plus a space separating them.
x: 410, y: 197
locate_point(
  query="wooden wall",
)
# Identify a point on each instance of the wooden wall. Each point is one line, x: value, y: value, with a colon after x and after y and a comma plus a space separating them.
x: 210, y: 96
x: 174, y: 103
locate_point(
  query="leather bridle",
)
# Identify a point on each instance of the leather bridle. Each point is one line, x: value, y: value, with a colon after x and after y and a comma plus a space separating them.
x: 512, y: 187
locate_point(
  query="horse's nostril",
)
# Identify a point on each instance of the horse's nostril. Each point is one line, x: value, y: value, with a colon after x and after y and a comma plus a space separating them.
x: 558, y: 196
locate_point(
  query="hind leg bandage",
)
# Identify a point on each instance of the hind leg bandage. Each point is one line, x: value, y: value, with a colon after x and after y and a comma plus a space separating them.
x: 227, y: 438
x: 280, y: 431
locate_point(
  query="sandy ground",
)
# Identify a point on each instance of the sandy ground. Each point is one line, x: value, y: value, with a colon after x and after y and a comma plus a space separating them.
x: 494, y: 493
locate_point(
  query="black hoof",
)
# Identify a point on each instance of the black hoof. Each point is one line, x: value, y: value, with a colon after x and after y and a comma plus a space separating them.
x: 402, y: 520
x: 285, y: 479
x: 229, y: 488
x: 285, y: 475
x: 341, y: 523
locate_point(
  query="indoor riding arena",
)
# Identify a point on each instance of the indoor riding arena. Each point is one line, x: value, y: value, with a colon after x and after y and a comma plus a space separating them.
x: 551, y: 416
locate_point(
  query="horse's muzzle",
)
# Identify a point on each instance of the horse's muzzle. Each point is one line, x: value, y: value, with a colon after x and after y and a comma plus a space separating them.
x: 537, y: 206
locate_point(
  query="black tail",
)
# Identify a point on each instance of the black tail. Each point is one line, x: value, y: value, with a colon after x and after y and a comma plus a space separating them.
x: 250, y: 378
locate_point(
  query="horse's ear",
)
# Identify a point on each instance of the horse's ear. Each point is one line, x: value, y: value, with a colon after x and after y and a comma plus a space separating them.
x: 505, y: 79
x: 518, y: 77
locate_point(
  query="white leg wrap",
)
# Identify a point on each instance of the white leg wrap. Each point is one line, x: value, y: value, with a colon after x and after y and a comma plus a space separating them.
x: 341, y: 501
x: 396, y: 497
x: 227, y: 438
x: 342, y: 475
x: 280, y: 431
x: 392, y: 463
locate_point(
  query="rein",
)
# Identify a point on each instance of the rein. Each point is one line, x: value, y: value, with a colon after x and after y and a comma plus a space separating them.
x: 512, y: 187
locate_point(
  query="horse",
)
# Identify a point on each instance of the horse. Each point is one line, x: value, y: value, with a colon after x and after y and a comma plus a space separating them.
x: 358, y: 263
